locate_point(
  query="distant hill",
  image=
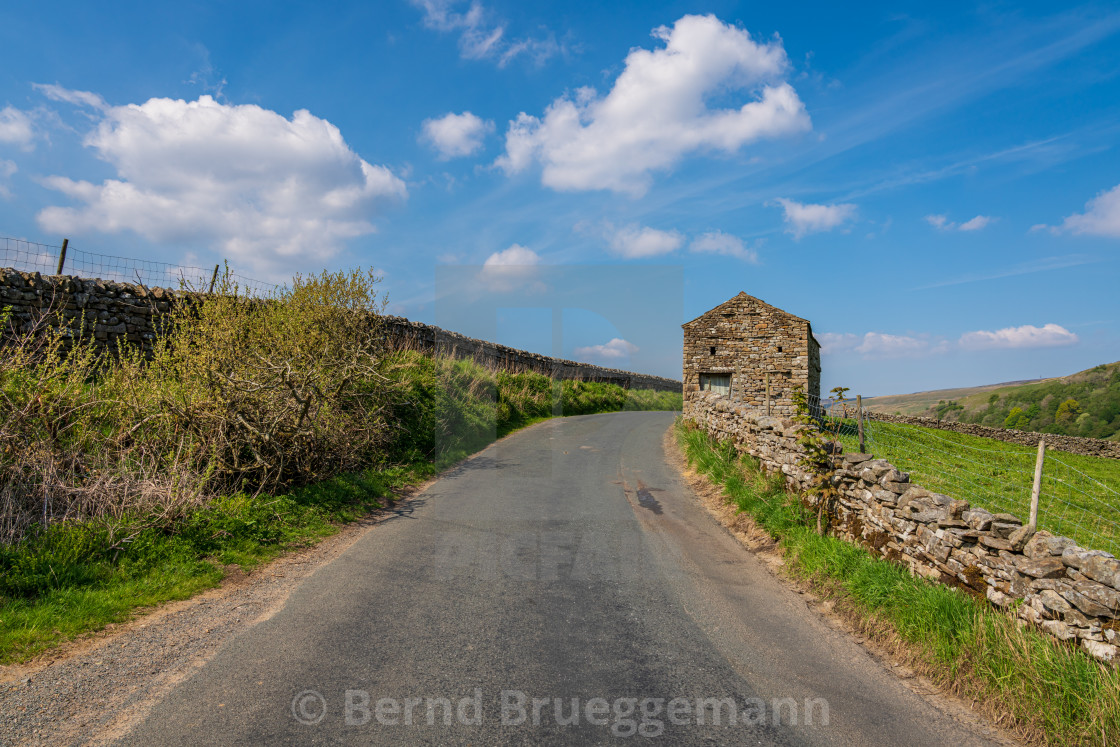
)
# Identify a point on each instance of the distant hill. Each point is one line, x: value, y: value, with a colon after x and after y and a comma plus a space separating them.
x: 1086, y: 403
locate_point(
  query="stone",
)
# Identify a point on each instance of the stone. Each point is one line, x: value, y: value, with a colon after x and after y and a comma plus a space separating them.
x: 952, y: 524
x: 1019, y: 538
x: 995, y: 542
x: 957, y: 509
x: 1039, y: 584
x: 1045, y: 568
x: 895, y: 487
x: 1102, y: 651
x: 998, y: 598
x: 931, y: 516
x: 894, y: 475
x: 883, y: 496
x: 1100, y: 594
x: 1075, y: 556
x: 1054, y: 602
x: 978, y: 519
x: 1030, y: 614
x: 1007, y: 519
x: 1003, y: 529
x: 1103, y: 569
x: 1084, y: 603
x: 912, y: 494
x: 1059, y: 630
x: 1043, y: 544
x: 854, y: 459
x: 1073, y: 617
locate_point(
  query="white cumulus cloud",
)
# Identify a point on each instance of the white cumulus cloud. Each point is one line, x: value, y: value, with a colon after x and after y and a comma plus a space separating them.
x: 510, y: 269
x: 657, y: 112
x: 455, y: 135
x: 1026, y: 336
x: 802, y: 218
x: 16, y: 128
x: 880, y: 345
x: 269, y: 192
x: 634, y: 241
x: 718, y: 242
x: 615, y: 350
x: 1101, y: 216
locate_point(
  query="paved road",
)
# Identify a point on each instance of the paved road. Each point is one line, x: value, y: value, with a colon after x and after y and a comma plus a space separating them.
x: 564, y: 567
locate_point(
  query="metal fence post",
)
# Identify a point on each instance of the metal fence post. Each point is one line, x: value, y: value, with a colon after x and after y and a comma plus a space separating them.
x: 859, y: 422
x: 62, y: 256
x: 1037, y: 482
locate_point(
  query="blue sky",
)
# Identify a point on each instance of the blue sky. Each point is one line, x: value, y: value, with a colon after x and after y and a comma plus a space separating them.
x: 936, y: 188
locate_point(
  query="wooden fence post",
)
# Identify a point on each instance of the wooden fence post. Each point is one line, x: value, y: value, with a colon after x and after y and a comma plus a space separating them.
x: 214, y: 278
x: 1037, y: 482
x: 859, y: 422
x: 62, y: 256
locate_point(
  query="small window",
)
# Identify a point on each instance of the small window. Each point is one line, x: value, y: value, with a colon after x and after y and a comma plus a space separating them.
x: 712, y: 349
x: 718, y: 383
x: 779, y: 348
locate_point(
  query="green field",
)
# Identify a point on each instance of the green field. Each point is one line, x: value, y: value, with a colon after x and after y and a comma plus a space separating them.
x: 1080, y: 495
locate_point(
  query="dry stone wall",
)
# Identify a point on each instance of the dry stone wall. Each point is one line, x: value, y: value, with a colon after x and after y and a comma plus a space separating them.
x: 127, y: 314
x: 1070, y: 592
x: 1072, y: 444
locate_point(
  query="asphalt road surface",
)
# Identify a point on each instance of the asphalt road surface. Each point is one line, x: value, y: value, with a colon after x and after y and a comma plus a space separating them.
x: 561, y: 587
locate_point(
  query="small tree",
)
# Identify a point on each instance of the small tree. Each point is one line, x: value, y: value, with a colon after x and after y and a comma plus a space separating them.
x: 817, y: 457
x: 1068, y: 411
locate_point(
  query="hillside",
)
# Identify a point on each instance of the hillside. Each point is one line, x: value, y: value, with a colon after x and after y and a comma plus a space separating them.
x: 1086, y: 403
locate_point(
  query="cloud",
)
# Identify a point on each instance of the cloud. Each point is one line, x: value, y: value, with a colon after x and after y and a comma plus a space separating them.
x: 718, y: 242
x: 615, y: 350
x: 269, y: 192
x: 802, y: 219
x: 1101, y: 216
x: 56, y: 92
x: 942, y: 223
x: 455, y: 135
x: 481, y: 35
x: 510, y: 269
x: 835, y: 342
x: 1027, y: 336
x: 657, y: 112
x: 976, y: 223
x: 879, y: 345
x: 634, y: 241
x: 7, y: 169
x: 16, y: 128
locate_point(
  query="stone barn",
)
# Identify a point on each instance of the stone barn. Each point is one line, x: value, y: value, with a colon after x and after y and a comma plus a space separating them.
x: 744, y: 343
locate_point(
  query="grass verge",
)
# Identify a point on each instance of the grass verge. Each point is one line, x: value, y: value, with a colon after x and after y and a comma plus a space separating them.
x: 1048, y: 692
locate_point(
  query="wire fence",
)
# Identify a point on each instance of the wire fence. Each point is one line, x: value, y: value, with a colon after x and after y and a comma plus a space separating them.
x: 47, y: 259
x: 1079, y: 496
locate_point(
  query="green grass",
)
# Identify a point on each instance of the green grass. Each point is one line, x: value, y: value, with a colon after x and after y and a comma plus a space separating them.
x: 75, y: 578
x: 1080, y: 495
x: 1055, y: 693
x: 71, y: 578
